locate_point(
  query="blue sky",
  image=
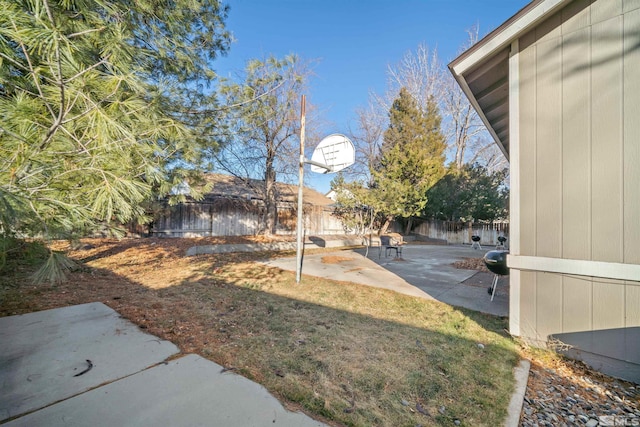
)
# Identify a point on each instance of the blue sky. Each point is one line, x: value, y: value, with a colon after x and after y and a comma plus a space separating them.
x: 352, y: 43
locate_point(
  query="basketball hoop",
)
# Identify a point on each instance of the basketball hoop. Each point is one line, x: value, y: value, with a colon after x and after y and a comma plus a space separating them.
x: 333, y: 153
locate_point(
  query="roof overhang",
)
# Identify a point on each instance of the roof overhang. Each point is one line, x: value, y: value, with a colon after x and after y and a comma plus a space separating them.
x: 482, y: 71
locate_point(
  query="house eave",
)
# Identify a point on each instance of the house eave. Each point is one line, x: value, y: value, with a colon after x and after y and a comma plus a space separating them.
x: 489, y: 59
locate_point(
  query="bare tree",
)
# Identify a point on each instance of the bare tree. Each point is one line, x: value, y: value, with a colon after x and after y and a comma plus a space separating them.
x: 420, y: 73
x: 462, y: 126
x: 467, y: 137
x: 367, y: 138
x: 462, y: 123
x: 489, y: 155
x: 262, y: 137
x: 425, y: 79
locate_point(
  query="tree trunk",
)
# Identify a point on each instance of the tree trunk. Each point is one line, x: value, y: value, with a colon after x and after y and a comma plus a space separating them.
x: 460, y: 155
x: 386, y: 224
x: 407, y: 231
x: 270, y: 202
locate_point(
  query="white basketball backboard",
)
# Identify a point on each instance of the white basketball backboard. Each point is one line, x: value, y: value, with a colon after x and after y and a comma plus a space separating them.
x: 336, y: 152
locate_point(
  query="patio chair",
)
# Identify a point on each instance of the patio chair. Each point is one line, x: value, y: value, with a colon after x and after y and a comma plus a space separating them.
x: 389, y: 243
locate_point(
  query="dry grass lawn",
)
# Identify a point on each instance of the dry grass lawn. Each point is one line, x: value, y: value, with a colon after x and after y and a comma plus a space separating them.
x: 346, y: 354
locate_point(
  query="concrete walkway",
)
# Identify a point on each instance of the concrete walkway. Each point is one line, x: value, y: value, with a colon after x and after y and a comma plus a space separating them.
x: 86, y: 366
x: 423, y: 271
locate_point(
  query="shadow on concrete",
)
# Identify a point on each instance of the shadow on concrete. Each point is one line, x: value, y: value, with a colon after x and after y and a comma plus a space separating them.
x: 318, y: 241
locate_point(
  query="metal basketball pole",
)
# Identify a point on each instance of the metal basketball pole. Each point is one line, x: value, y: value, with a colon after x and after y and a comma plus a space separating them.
x: 300, y: 187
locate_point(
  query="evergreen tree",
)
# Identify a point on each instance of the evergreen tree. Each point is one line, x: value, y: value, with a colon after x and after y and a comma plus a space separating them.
x: 89, y: 115
x: 411, y: 160
x: 471, y: 193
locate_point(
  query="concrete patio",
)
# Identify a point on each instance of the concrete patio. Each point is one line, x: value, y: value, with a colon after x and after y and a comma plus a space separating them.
x: 423, y: 271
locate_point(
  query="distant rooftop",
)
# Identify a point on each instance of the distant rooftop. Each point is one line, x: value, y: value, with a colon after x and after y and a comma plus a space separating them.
x: 247, y: 189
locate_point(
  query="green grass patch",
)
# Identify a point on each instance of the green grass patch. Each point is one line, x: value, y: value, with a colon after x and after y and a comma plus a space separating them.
x: 364, y: 356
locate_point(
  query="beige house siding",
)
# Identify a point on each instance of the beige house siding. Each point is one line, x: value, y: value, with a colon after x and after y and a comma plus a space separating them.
x: 579, y: 158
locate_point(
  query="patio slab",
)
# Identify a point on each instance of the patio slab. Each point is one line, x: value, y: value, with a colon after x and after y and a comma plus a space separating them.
x: 43, y: 354
x: 189, y: 391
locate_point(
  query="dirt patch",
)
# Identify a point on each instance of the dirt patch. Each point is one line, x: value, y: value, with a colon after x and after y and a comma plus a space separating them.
x: 471, y: 264
x: 335, y: 259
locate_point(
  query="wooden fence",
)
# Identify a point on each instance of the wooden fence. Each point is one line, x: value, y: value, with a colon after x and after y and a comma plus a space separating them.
x: 461, y: 232
x: 232, y: 217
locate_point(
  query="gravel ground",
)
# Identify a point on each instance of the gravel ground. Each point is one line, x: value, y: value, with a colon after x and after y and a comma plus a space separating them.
x: 572, y: 395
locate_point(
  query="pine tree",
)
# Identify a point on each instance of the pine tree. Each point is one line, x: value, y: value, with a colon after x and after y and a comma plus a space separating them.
x: 89, y: 115
x: 412, y: 158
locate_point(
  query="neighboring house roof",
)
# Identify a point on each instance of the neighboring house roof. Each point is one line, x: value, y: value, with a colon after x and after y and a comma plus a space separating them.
x: 331, y: 195
x: 247, y: 189
x: 482, y: 71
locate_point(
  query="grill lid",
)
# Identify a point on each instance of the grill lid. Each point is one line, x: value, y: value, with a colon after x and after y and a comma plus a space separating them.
x: 496, y: 262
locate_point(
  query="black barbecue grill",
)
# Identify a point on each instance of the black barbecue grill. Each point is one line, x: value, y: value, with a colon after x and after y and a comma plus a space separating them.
x: 496, y: 262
